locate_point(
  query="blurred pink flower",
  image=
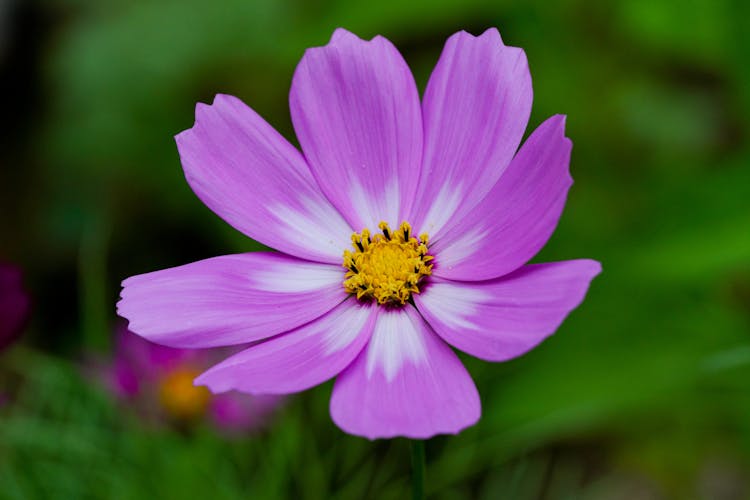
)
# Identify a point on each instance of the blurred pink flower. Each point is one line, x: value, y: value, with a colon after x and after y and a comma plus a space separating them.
x: 158, y: 381
x: 14, y: 304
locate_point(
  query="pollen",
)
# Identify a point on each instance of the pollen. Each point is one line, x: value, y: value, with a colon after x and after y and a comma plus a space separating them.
x: 387, y: 267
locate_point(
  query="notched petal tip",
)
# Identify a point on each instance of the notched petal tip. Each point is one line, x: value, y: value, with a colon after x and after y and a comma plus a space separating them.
x: 181, y: 138
x: 344, y: 37
x: 127, y: 281
x: 560, y: 118
x: 593, y: 268
x: 587, y: 269
x: 490, y: 36
x: 219, y: 97
x: 202, y: 110
x: 339, y: 37
x: 463, y: 34
x: 558, y: 121
x: 555, y: 126
x: 342, y: 34
x: 458, y: 37
x: 492, y: 32
x: 119, y: 308
x: 222, y: 99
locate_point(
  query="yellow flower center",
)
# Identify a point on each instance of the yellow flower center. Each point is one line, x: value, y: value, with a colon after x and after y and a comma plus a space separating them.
x: 180, y: 398
x: 387, y: 267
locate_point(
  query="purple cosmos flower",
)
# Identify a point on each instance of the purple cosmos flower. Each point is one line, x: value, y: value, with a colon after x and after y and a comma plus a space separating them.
x: 158, y: 382
x: 14, y: 304
x: 431, y: 210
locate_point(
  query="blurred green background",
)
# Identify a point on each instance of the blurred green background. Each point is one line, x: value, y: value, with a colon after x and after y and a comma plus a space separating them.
x: 643, y: 393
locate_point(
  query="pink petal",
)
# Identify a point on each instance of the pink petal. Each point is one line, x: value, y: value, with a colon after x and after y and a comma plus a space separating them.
x: 14, y: 304
x: 149, y: 361
x: 297, y: 360
x: 234, y: 412
x: 476, y: 107
x: 407, y: 382
x: 503, y: 318
x: 229, y: 300
x: 123, y: 380
x: 247, y: 173
x: 355, y: 108
x: 518, y: 215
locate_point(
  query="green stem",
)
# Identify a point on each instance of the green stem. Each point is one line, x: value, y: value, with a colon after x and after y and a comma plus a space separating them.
x: 417, y: 469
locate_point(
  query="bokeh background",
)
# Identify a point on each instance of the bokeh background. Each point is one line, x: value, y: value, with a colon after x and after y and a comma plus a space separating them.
x: 643, y: 393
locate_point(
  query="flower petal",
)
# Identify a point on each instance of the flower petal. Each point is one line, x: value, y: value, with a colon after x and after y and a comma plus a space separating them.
x: 518, y: 215
x: 407, y: 382
x: 503, y: 318
x: 475, y: 108
x: 355, y: 108
x: 149, y: 361
x: 247, y: 173
x: 229, y: 300
x: 14, y: 304
x: 297, y: 360
x: 234, y: 412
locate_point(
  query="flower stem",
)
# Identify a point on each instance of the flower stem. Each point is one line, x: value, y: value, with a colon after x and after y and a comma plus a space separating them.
x: 417, y: 469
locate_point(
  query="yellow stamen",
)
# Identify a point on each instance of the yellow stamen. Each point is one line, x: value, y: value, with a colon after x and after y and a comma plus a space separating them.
x: 180, y: 398
x: 387, y: 267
